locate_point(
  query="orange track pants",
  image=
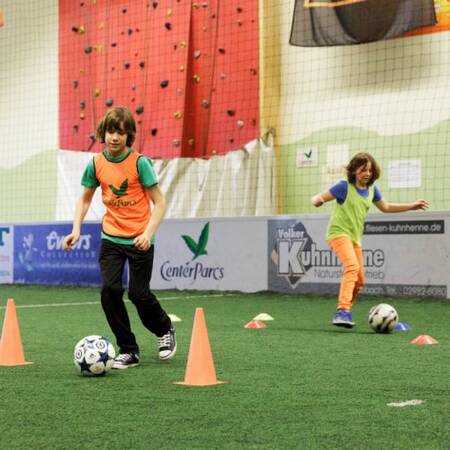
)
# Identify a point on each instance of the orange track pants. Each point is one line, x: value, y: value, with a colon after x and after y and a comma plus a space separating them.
x: 352, y: 282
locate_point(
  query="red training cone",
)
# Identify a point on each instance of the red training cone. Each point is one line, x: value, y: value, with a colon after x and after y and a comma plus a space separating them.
x: 11, y: 350
x: 200, y: 370
x: 255, y: 324
x: 424, y: 339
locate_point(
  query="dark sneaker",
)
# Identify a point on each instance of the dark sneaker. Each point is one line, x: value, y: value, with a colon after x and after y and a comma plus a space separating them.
x: 125, y: 360
x: 167, y: 345
x: 343, y: 318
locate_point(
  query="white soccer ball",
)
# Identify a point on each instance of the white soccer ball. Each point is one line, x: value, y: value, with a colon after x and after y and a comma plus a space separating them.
x: 383, y: 318
x: 94, y: 355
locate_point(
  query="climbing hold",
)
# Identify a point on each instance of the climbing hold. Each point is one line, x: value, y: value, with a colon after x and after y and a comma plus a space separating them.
x: 205, y: 103
x: 75, y: 84
x: 88, y: 50
x: 109, y: 102
x: 82, y: 104
x: 178, y: 115
x: 196, y: 78
x: 164, y: 83
x: 168, y: 26
x: 240, y: 123
x: 231, y: 112
x: 142, y: 64
x: 153, y: 131
x: 139, y: 110
x: 126, y: 66
x: 197, y: 54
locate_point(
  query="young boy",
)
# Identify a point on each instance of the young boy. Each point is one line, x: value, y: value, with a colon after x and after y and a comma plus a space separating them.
x: 128, y: 184
x: 354, y: 197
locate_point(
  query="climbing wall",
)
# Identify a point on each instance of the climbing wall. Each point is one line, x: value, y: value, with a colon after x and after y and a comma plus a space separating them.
x: 188, y: 71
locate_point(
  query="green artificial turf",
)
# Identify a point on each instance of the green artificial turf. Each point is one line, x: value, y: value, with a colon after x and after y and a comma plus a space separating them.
x: 298, y: 384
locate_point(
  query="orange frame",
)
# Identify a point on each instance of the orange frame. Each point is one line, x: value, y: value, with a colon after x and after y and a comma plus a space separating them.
x: 321, y: 4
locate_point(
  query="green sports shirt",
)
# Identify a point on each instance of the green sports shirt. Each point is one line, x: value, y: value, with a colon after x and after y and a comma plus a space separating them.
x: 348, y: 219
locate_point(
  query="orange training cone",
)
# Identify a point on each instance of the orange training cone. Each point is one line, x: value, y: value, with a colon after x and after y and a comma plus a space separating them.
x: 255, y: 324
x: 200, y: 370
x: 11, y: 350
x: 424, y: 339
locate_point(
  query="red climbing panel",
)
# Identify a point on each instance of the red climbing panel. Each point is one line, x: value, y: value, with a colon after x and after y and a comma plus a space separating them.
x: 188, y: 71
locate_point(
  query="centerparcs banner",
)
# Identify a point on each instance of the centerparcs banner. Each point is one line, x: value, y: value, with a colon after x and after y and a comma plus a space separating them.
x: 211, y: 254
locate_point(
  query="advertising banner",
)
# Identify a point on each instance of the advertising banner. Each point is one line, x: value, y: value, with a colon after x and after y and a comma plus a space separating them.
x: 211, y: 254
x: 39, y: 256
x: 6, y: 253
x: 407, y: 256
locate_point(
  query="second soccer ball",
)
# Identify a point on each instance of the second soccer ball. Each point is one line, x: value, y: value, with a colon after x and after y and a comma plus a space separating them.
x: 382, y: 318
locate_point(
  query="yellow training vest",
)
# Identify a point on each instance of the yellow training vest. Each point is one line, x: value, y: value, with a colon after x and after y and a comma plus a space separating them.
x: 127, y: 202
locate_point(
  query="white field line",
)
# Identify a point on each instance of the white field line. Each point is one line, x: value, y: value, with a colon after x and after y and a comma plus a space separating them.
x: 56, y: 305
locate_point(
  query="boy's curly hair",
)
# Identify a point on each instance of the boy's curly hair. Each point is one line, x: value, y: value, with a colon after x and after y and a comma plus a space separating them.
x: 360, y: 160
x: 118, y: 118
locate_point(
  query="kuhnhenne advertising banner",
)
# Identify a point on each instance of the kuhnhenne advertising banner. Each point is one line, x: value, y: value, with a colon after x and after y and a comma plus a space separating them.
x: 404, y: 255
x: 211, y: 254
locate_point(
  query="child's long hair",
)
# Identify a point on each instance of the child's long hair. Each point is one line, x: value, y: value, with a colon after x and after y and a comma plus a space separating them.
x: 118, y: 118
x: 360, y: 160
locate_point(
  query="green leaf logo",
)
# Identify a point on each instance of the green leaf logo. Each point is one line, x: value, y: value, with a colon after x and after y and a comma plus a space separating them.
x: 198, y: 248
x: 121, y: 191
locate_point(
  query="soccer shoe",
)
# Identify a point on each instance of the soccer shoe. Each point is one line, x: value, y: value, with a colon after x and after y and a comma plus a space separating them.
x: 125, y: 360
x: 343, y: 318
x: 167, y: 345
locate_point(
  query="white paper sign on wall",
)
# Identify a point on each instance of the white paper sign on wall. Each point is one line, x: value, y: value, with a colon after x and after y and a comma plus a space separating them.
x: 307, y: 157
